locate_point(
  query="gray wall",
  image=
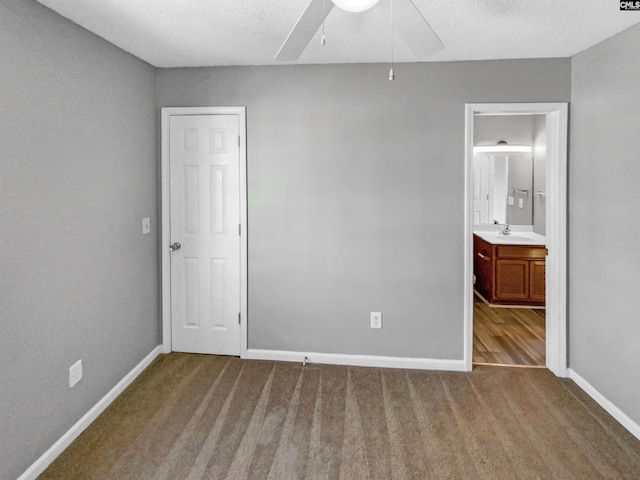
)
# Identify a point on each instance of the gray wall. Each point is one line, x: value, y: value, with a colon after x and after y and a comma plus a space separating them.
x: 356, y: 195
x: 513, y: 129
x: 520, y: 178
x: 604, y: 263
x: 78, y: 173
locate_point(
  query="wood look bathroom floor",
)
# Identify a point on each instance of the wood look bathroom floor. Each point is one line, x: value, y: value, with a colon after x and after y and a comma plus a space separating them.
x: 508, y: 336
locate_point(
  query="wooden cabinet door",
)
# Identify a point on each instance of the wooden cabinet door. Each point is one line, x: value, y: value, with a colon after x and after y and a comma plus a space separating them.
x: 537, y: 290
x: 484, y: 276
x: 512, y: 279
x: 483, y: 267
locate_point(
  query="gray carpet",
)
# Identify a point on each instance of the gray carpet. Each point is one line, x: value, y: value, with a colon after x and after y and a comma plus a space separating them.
x: 198, y: 416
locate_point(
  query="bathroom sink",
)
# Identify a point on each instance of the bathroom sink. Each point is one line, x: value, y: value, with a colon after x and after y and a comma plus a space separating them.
x: 529, y: 238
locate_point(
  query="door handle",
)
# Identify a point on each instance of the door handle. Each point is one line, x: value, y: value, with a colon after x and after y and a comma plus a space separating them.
x: 175, y: 246
x: 484, y: 257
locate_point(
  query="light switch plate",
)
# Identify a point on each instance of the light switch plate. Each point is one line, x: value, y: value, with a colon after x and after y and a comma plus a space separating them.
x: 146, y: 226
x: 75, y: 373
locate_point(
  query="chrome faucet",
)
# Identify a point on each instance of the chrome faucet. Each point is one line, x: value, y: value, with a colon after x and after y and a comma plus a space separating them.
x: 506, y: 230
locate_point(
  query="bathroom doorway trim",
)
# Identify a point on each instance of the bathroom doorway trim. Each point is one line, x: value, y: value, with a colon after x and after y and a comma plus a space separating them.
x: 556, y: 225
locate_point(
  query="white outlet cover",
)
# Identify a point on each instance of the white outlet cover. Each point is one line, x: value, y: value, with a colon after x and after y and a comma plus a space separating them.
x: 376, y: 319
x: 146, y: 226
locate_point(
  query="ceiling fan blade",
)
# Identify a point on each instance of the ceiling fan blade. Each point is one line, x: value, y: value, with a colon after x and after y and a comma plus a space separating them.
x: 304, y: 29
x: 412, y: 27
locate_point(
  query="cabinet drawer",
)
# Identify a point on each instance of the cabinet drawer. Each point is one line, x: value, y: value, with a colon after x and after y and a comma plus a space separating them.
x: 520, y: 251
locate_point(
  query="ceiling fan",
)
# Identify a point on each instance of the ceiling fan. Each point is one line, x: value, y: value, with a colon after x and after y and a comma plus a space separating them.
x: 407, y: 20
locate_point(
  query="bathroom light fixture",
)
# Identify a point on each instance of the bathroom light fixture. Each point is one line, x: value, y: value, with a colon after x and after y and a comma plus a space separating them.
x: 502, y: 147
x: 355, y: 5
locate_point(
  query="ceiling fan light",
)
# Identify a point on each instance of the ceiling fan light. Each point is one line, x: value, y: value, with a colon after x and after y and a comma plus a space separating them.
x: 354, y: 5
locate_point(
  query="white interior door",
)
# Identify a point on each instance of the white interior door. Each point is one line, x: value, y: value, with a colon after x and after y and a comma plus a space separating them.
x: 204, y: 158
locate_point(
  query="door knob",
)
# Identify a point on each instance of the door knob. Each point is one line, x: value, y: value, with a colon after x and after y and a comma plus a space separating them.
x: 174, y: 246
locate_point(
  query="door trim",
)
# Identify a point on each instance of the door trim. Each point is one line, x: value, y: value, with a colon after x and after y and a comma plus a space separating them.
x: 165, y: 218
x: 556, y: 227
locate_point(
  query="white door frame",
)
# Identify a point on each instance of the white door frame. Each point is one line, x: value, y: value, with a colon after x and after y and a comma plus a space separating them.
x: 165, y: 219
x: 556, y: 227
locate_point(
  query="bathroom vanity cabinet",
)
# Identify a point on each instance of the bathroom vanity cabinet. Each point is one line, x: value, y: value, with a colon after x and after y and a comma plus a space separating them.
x: 509, y: 274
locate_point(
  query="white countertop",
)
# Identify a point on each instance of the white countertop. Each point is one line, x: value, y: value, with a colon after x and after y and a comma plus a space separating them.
x: 516, y: 238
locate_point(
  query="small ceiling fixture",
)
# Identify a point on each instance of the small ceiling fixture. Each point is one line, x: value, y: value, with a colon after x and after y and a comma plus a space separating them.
x: 502, y: 147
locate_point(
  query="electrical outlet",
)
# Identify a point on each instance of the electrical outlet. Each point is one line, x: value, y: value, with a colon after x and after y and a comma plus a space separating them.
x: 146, y: 226
x: 376, y: 320
x: 75, y: 373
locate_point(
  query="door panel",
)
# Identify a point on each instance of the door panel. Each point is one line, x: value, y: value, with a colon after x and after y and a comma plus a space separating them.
x: 538, y: 272
x: 205, y: 217
x: 512, y: 279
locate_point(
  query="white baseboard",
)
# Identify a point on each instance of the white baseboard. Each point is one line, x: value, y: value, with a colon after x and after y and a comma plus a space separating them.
x: 57, y: 448
x: 357, y: 360
x: 605, y: 403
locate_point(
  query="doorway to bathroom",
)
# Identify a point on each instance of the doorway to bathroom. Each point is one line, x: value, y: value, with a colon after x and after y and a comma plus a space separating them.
x: 509, y: 228
x: 515, y: 235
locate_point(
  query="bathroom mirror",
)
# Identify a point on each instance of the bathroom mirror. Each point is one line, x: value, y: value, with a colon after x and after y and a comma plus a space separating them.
x: 509, y: 187
x: 503, y: 189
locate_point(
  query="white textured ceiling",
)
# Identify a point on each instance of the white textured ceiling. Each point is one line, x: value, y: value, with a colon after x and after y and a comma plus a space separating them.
x: 193, y: 33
